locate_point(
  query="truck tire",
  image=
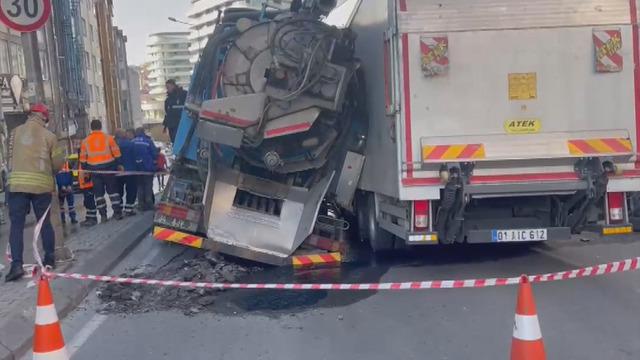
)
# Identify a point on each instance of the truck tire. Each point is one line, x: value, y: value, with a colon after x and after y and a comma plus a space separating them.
x: 379, y: 239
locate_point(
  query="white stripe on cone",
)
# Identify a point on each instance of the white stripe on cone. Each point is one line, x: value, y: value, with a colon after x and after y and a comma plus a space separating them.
x: 527, y: 328
x: 46, y: 315
x: 52, y: 355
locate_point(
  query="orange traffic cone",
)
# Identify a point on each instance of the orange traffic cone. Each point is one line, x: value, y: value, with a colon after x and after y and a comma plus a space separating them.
x: 48, y: 343
x: 527, y: 341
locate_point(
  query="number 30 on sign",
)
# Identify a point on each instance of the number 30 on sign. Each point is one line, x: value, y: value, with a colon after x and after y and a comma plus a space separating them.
x: 25, y: 15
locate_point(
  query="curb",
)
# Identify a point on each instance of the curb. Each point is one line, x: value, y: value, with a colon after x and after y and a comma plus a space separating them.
x: 17, y: 332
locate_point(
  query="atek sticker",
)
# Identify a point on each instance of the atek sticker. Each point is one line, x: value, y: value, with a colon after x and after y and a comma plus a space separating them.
x: 523, y: 126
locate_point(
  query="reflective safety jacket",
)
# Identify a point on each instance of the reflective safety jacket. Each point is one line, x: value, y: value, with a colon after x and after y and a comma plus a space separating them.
x: 34, y: 157
x: 84, y: 179
x: 99, y: 151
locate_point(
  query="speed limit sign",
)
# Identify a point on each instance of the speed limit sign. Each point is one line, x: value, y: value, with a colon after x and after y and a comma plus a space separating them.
x: 25, y: 15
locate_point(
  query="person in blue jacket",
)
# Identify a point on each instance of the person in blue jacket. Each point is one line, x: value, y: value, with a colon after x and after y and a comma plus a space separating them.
x: 146, y: 154
x: 127, y: 183
x: 64, y: 179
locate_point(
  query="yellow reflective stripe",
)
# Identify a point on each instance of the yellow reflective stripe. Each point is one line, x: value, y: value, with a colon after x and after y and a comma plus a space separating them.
x: 27, y: 178
x: 57, y: 151
x: 30, y: 183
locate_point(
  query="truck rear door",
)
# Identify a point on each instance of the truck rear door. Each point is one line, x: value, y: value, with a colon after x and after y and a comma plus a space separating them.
x: 522, y: 88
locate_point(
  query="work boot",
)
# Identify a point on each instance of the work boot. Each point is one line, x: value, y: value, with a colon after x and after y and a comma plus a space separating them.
x: 50, y: 262
x: 16, y: 273
x: 89, y: 223
x: 130, y: 213
x: 103, y: 217
x: 74, y: 221
x: 118, y: 216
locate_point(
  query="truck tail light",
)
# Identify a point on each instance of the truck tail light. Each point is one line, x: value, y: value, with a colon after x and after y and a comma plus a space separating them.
x: 421, y: 215
x: 616, y: 204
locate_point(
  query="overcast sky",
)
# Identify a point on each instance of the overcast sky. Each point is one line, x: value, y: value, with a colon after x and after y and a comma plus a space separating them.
x: 139, y: 18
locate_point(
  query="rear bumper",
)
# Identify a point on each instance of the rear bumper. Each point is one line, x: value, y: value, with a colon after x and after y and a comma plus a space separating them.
x: 199, y: 242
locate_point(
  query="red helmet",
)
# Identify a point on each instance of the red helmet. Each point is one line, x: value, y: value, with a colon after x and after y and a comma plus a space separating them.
x: 40, y: 108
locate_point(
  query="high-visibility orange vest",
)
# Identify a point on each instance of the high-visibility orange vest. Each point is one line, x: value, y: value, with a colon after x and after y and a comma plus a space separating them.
x: 84, y: 180
x: 99, y: 149
x: 65, y: 167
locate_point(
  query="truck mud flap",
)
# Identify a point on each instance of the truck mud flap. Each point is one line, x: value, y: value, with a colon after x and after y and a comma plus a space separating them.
x: 265, y: 223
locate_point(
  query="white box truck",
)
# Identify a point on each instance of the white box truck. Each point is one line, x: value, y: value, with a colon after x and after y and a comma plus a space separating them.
x: 526, y: 110
x: 433, y: 122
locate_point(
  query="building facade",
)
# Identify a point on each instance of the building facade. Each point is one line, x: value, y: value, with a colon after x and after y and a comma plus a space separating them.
x: 110, y: 74
x: 203, y: 16
x: 92, y: 60
x: 11, y: 64
x: 126, y: 114
x: 135, y: 97
x: 74, y: 89
x: 167, y: 58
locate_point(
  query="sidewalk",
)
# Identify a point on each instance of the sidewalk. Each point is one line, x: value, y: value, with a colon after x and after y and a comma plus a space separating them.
x: 96, y: 250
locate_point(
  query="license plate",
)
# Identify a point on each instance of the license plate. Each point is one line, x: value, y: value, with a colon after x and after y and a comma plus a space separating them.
x: 519, y: 235
x: 175, y: 223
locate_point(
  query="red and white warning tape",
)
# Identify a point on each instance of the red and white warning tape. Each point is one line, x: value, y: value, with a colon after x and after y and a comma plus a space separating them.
x: 122, y: 173
x: 599, y: 270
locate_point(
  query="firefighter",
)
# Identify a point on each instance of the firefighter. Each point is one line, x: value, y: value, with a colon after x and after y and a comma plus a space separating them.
x: 64, y: 179
x: 34, y: 159
x: 100, y: 155
x: 86, y: 186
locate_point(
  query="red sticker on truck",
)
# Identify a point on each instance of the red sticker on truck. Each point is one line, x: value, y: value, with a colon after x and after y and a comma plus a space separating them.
x: 608, y: 46
x: 435, y: 55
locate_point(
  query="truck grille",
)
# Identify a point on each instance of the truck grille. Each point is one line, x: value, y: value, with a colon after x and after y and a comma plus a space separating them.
x: 248, y: 201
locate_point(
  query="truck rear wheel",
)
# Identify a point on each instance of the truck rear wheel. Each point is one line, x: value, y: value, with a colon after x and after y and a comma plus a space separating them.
x: 368, y: 227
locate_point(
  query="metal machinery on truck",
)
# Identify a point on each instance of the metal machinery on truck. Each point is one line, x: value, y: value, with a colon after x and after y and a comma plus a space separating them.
x: 432, y: 121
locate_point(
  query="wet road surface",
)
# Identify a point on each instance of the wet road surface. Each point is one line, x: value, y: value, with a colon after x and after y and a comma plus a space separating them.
x: 581, y: 319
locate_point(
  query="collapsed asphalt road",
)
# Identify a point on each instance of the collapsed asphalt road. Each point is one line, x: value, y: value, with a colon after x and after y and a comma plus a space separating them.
x: 580, y: 319
x: 186, y: 266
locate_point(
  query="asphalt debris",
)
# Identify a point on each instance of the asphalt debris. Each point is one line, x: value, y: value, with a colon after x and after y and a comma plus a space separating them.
x: 206, y: 267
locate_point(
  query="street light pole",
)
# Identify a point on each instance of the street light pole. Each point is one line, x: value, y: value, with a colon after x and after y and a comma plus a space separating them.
x: 172, y: 19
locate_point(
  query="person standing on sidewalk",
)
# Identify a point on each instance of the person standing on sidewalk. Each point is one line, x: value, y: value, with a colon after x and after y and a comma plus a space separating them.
x: 89, y: 200
x: 146, y: 154
x: 100, y: 155
x: 64, y: 179
x: 34, y: 159
x: 173, y: 106
x: 127, y: 184
x: 161, y: 168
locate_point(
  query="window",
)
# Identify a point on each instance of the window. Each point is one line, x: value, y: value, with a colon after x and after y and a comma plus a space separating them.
x: 13, y: 55
x: 97, y: 92
x: 41, y: 37
x: 90, y: 93
x: 84, y: 27
x: 22, y: 67
x: 5, y: 68
x: 87, y: 60
x: 91, y: 36
x: 44, y: 63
